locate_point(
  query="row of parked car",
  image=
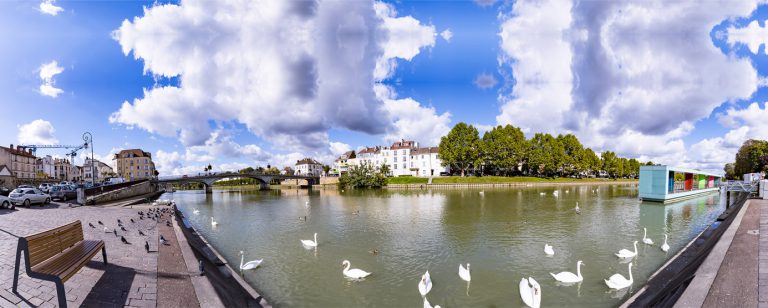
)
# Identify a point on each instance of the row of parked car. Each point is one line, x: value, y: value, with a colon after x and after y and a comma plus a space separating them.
x: 27, y: 195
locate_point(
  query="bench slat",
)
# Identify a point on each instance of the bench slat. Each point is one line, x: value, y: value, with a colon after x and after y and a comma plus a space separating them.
x: 47, y: 244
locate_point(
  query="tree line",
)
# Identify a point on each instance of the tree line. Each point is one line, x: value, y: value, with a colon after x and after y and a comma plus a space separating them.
x: 505, y: 151
x: 752, y: 157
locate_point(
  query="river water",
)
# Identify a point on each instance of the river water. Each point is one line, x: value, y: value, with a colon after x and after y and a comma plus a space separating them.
x: 500, y: 232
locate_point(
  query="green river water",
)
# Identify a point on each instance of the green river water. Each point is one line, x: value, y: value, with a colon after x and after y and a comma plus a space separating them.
x: 500, y: 232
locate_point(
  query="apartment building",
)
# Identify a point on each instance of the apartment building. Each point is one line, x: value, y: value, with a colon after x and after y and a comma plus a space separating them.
x: 102, y: 170
x: 45, y: 167
x: 341, y: 164
x: 63, y: 170
x: 134, y: 164
x: 21, y: 162
x: 404, y: 158
x: 309, y: 166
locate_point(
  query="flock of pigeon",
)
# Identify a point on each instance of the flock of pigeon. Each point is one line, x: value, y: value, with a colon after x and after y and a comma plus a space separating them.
x: 154, y: 214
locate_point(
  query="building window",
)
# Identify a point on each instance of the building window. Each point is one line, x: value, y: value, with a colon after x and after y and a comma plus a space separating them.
x: 395, y: 166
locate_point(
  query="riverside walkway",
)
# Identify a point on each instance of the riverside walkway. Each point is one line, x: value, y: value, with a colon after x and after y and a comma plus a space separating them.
x: 735, y: 273
x: 133, y: 277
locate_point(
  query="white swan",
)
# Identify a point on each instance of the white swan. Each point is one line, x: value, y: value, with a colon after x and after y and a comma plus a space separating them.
x: 310, y: 243
x: 578, y: 210
x: 425, y: 284
x: 196, y: 212
x: 531, y: 294
x: 427, y: 305
x: 665, y: 246
x: 354, y: 273
x: 624, y: 253
x: 555, y: 193
x: 482, y: 193
x: 542, y: 194
x: 568, y: 277
x: 464, y: 273
x: 251, y: 264
x: 618, y: 282
x: 213, y: 222
x: 306, y: 204
x: 645, y: 239
x: 548, y: 250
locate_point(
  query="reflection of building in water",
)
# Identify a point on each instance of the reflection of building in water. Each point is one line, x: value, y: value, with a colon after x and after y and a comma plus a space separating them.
x: 666, y: 183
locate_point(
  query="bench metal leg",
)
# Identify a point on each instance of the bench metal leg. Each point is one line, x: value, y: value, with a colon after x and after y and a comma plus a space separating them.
x: 104, y: 254
x: 16, y: 269
x: 62, y: 294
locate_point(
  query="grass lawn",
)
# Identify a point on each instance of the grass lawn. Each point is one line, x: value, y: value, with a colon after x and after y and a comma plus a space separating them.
x: 406, y: 180
x: 516, y: 179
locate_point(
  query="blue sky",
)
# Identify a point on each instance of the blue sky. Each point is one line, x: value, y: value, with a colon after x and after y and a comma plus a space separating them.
x: 277, y: 83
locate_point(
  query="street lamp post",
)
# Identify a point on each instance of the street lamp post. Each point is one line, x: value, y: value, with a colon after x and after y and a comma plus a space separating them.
x: 88, y: 138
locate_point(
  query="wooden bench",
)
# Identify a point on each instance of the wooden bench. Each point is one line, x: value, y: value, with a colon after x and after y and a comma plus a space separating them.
x: 56, y: 255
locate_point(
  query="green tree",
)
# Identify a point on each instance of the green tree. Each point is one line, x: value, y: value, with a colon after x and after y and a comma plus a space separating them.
x: 589, y: 162
x: 572, y: 147
x: 610, y: 163
x: 290, y: 171
x: 246, y: 170
x: 460, y: 148
x: 730, y: 173
x: 326, y: 169
x: 272, y: 171
x: 362, y: 176
x: 384, y: 169
x: 751, y: 157
x: 546, y: 155
x: 633, y: 168
x: 503, y: 148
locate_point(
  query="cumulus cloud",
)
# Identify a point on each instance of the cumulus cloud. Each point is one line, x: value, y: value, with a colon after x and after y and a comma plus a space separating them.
x: 620, y: 74
x: 752, y: 35
x: 338, y: 148
x: 485, y: 81
x: 48, y: 7
x: 288, y: 70
x: 414, y: 122
x: 47, y: 71
x: 37, y: 132
x: 446, y: 35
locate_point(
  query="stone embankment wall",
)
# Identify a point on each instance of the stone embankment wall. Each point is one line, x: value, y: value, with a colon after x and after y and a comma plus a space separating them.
x: 142, y: 188
x: 491, y: 185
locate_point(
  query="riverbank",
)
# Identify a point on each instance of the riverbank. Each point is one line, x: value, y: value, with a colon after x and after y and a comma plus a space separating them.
x: 491, y: 184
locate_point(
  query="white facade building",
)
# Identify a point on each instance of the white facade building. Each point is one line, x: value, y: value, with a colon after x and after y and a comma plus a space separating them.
x: 425, y: 162
x: 404, y: 158
x: 46, y: 165
x: 309, y: 166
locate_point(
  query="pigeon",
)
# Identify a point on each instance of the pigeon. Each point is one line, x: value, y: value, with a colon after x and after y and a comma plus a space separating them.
x: 101, y: 223
x: 162, y: 240
x: 118, y: 221
x: 106, y: 230
x: 146, y: 246
x: 115, y: 231
x: 141, y: 217
x: 122, y: 239
x: 133, y: 221
x: 92, y: 226
x: 123, y: 228
x: 141, y: 233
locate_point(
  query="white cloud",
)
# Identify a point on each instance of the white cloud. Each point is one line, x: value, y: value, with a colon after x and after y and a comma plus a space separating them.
x: 485, y: 81
x: 447, y: 34
x: 623, y: 75
x: 47, y: 71
x: 288, y: 70
x: 37, y: 132
x: 485, y: 3
x: 338, y: 148
x: 752, y: 35
x: 414, y: 122
x: 48, y: 7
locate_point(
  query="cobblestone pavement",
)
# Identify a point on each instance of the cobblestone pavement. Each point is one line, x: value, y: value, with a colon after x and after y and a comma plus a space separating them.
x: 130, y: 278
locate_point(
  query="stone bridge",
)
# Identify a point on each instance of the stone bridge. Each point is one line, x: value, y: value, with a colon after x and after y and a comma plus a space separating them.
x: 207, y: 179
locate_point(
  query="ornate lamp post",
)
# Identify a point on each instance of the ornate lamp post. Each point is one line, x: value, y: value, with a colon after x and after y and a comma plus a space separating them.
x: 88, y: 138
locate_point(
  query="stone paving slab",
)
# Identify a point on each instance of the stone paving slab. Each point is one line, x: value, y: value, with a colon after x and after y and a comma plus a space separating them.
x: 762, y: 273
x: 130, y: 278
x: 174, y: 276
x: 736, y: 281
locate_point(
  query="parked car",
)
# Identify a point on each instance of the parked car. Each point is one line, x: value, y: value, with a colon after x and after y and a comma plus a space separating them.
x: 29, y: 196
x: 45, y: 187
x: 63, y: 192
x: 24, y: 186
x: 5, y: 203
x: 4, y: 191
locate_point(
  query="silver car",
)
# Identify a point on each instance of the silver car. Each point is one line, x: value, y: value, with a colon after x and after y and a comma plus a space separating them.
x: 28, y: 196
x: 5, y: 203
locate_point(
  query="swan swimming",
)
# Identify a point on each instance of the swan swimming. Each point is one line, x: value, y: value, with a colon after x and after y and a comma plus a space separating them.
x: 577, y: 209
x: 464, y: 273
x: 568, y: 277
x: 548, y: 250
x: 530, y: 292
x: 310, y: 243
x: 428, y: 305
x: 645, y: 239
x: 196, y: 212
x: 624, y: 253
x: 425, y: 284
x: 354, y: 273
x: 542, y: 194
x: 213, y: 222
x: 250, y: 264
x: 665, y: 246
x: 618, y: 282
